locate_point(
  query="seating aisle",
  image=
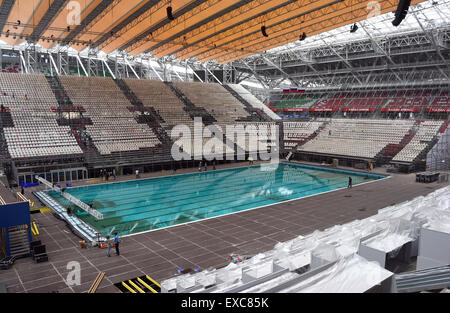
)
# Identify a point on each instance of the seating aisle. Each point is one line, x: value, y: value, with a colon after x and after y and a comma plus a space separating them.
x: 156, y: 94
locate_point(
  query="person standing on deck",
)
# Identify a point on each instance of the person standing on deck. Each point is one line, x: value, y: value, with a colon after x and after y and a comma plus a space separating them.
x: 116, y: 243
x: 350, y: 182
x: 109, y: 243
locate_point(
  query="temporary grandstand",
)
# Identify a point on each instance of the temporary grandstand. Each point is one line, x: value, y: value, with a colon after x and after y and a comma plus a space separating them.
x: 221, y: 139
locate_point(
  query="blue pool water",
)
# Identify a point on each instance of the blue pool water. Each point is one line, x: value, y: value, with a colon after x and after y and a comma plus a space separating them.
x: 137, y: 206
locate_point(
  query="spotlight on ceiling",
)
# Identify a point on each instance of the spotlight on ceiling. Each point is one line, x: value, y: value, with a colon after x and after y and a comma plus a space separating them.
x: 401, y: 12
x: 169, y: 13
x: 303, y: 37
x: 354, y: 28
x: 263, y: 31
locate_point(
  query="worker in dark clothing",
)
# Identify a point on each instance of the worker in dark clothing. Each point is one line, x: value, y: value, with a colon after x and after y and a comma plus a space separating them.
x: 116, y: 243
x: 350, y: 182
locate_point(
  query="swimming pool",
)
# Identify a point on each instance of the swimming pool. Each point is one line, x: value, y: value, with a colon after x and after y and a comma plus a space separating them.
x: 142, y: 205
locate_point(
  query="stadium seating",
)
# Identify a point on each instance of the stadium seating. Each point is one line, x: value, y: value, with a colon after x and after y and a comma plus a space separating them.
x: 366, y: 102
x: 358, y: 138
x: 35, y: 132
x: 407, y: 101
x: 427, y: 131
x: 114, y: 127
x: 296, y: 133
x: 333, y: 103
x: 156, y: 94
x: 223, y: 106
x: 10, y: 67
x: 295, y: 102
x: 250, y: 131
x: 441, y: 103
x: 30, y: 120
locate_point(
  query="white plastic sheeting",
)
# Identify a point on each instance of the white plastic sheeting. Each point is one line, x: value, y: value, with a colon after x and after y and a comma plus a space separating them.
x: 350, y: 275
x: 387, y: 231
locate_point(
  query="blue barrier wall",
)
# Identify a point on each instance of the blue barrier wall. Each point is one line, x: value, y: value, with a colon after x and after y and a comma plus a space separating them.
x: 15, y: 214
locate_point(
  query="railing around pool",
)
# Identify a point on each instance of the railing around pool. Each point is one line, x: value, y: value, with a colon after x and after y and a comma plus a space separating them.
x: 72, y: 199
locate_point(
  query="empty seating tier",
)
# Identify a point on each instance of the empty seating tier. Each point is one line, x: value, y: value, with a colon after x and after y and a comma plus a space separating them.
x: 296, y: 133
x: 295, y: 102
x: 407, y: 101
x: 441, y: 103
x: 333, y: 104
x: 222, y: 105
x: 36, y: 132
x: 358, y: 138
x: 156, y: 94
x: 366, y: 102
x: 114, y: 127
x: 424, y: 135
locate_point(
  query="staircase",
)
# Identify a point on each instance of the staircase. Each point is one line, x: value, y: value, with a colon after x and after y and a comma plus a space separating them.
x: 18, y: 242
x: 288, y: 157
x: 66, y: 105
x: 6, y: 121
x: 249, y: 108
x: 148, y: 116
x: 311, y: 137
x: 418, y: 164
x: 131, y: 96
x: 391, y: 150
x: 60, y: 93
x: 193, y: 110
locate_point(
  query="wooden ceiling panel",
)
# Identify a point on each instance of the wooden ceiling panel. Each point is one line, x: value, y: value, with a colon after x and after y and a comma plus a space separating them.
x: 189, y: 19
x: 112, y: 16
x: 207, y: 30
x: 282, y: 14
x: 232, y: 18
x: 29, y: 17
x: 58, y: 27
x: 149, y: 19
x: 315, y: 25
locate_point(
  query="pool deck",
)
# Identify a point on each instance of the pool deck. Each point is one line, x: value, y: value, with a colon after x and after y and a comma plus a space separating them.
x: 206, y: 243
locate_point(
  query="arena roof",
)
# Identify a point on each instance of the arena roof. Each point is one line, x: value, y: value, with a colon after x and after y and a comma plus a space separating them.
x: 206, y: 30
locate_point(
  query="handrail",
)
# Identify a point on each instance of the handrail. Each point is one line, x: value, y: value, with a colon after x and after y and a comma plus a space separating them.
x: 72, y: 199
